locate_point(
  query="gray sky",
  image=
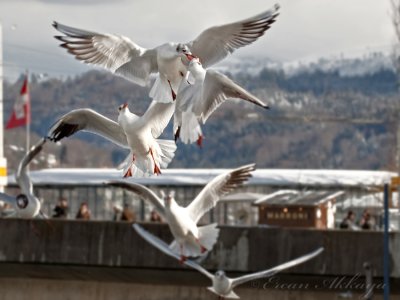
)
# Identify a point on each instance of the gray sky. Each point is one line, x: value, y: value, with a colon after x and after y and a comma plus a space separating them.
x: 305, y: 29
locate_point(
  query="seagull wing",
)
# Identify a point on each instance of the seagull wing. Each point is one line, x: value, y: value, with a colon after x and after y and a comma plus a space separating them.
x: 21, y: 176
x: 163, y: 247
x: 157, y: 117
x: 217, y: 88
x: 8, y: 199
x: 215, y: 43
x: 117, y: 54
x: 272, y: 271
x: 88, y: 120
x: 143, y: 192
x: 216, y: 188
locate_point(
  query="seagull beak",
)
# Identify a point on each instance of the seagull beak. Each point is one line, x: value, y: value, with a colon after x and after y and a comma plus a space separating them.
x: 190, y: 56
x: 125, y: 105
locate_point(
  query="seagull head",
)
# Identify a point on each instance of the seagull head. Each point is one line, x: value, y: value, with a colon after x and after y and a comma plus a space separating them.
x: 220, y: 274
x: 184, y: 50
x: 168, y: 199
x: 22, y: 201
x: 122, y: 107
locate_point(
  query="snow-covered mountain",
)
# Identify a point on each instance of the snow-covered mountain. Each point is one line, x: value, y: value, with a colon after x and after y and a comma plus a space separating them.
x: 346, y: 66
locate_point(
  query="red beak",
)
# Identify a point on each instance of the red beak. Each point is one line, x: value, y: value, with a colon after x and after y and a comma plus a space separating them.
x: 190, y: 56
x: 125, y: 105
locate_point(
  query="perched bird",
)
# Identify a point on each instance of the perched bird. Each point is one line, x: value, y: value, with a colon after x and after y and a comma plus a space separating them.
x: 123, y: 57
x: 222, y: 285
x: 148, y: 155
x: 191, y: 240
x: 26, y: 204
x: 200, y: 95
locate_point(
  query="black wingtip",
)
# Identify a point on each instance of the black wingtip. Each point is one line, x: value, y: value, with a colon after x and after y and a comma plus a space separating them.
x: 54, y: 24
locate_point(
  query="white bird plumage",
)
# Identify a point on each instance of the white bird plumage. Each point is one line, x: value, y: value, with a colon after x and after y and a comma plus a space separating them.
x: 222, y: 285
x: 148, y: 155
x: 26, y: 204
x: 123, y: 57
x: 200, y: 95
x: 191, y: 240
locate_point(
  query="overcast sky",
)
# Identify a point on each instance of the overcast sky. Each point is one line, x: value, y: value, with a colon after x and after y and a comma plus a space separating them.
x: 305, y: 28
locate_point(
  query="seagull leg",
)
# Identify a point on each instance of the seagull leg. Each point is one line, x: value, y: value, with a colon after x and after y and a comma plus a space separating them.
x: 183, y: 257
x: 172, y: 91
x: 129, y: 172
x: 177, y: 133
x: 202, y: 248
x: 199, y: 141
x: 156, y: 168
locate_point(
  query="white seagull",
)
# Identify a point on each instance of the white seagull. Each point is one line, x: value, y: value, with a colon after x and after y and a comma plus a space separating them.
x: 199, y: 96
x: 148, y: 155
x: 191, y: 240
x: 123, y: 57
x: 26, y: 204
x: 222, y: 285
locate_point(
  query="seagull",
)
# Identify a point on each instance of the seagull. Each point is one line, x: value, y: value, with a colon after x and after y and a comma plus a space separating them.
x: 26, y: 204
x: 191, y: 240
x: 222, y: 285
x: 148, y: 155
x: 123, y: 57
x: 199, y: 96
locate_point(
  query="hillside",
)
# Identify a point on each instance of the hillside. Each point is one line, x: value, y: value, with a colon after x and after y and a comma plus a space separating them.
x: 287, y: 136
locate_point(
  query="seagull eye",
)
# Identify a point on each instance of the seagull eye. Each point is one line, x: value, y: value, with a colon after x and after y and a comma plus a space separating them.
x: 184, y: 50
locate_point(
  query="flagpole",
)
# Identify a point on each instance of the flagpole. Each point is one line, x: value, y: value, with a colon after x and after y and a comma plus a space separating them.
x: 28, y: 121
x: 3, y: 160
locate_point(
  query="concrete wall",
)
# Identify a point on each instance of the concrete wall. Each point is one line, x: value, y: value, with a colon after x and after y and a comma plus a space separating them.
x: 110, y: 253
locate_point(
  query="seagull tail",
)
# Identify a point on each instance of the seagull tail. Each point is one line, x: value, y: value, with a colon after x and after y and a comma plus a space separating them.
x: 190, y: 131
x: 162, y: 91
x: 208, y: 235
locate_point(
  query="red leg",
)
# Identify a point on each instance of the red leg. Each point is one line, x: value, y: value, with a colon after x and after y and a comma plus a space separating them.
x: 199, y: 141
x: 183, y: 257
x: 156, y: 168
x: 129, y: 172
x: 172, y: 91
x: 202, y: 248
x: 177, y: 133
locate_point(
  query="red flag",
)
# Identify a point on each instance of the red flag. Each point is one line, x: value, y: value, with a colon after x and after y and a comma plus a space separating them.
x: 21, y: 114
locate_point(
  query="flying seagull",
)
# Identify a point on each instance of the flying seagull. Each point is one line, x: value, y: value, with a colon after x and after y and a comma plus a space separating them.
x: 191, y: 240
x: 222, y: 285
x: 25, y: 204
x: 200, y: 95
x: 148, y: 154
x: 123, y: 57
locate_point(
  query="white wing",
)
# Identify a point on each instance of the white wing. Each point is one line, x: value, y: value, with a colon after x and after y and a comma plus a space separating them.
x: 8, y: 199
x: 272, y: 271
x: 215, y: 43
x: 116, y: 53
x: 21, y: 176
x: 143, y: 192
x: 217, y: 88
x: 157, y: 117
x: 216, y: 188
x: 88, y: 120
x: 163, y: 247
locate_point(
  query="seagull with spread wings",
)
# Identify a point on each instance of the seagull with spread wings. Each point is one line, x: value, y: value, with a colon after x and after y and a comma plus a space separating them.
x: 199, y: 96
x: 148, y: 154
x: 25, y: 204
x: 222, y: 285
x: 123, y: 57
x: 191, y: 240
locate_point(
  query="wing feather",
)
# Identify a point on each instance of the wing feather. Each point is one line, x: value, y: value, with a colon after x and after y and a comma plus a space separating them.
x: 216, y: 188
x: 217, y: 88
x: 115, y: 53
x: 158, y: 116
x: 86, y: 119
x: 274, y: 270
x: 143, y: 192
x: 163, y: 247
x: 215, y: 43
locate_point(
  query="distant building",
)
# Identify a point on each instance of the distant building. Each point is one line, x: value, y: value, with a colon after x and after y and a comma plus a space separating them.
x: 293, y: 208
